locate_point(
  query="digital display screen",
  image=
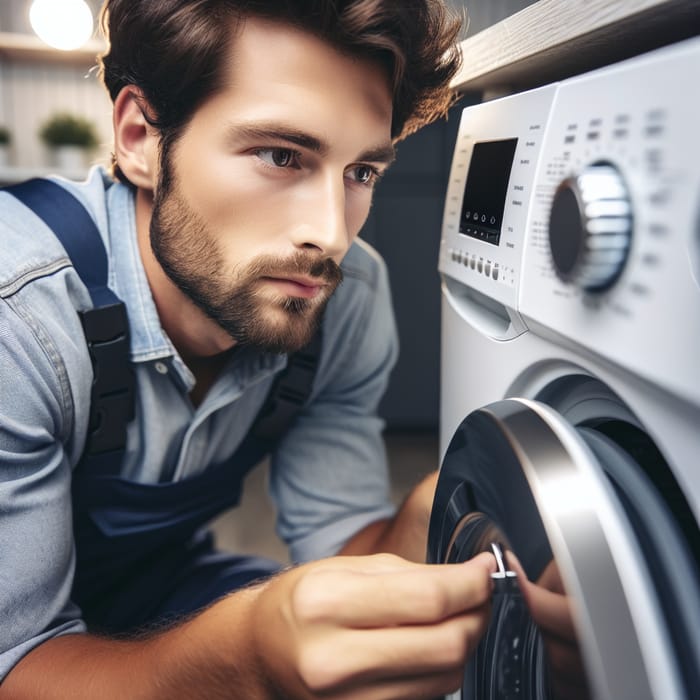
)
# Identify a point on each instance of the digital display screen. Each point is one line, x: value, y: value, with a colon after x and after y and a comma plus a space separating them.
x: 486, y: 190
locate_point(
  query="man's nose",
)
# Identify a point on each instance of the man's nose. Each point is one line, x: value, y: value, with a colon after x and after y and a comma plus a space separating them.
x: 321, y: 219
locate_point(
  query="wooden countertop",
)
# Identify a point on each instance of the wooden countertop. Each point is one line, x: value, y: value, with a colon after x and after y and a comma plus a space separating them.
x: 555, y: 39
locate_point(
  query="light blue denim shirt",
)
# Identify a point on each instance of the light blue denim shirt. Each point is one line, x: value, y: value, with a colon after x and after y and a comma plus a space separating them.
x: 328, y: 476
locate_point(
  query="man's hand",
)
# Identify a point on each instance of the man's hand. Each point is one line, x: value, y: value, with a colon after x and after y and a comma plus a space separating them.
x: 550, y: 608
x: 366, y: 628
x: 371, y: 627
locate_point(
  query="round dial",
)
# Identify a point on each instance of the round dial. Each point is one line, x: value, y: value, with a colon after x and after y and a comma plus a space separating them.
x: 590, y: 227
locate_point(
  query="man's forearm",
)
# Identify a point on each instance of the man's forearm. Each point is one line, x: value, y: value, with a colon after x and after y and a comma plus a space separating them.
x: 342, y: 627
x: 207, y: 656
x: 406, y: 534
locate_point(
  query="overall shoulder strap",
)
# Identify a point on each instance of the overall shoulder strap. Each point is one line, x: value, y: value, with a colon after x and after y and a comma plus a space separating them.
x: 285, y: 401
x: 105, y: 326
x: 289, y: 393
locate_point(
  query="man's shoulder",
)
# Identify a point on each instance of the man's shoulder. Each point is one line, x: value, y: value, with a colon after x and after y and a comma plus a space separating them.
x: 362, y: 264
x: 30, y: 248
x: 359, y: 331
x: 363, y: 294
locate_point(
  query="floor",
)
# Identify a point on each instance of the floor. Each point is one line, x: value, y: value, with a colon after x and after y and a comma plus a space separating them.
x: 249, y: 528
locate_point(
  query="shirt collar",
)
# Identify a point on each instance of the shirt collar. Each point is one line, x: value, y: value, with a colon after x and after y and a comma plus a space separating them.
x: 128, y: 278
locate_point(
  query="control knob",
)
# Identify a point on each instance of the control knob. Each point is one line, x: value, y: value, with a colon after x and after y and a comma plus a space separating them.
x: 590, y: 227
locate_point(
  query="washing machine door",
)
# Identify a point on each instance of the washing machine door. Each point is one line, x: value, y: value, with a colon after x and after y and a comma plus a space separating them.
x: 597, y: 591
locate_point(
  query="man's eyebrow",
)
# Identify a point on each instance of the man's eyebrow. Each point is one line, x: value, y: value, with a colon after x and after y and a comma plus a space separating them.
x: 381, y: 154
x: 281, y: 132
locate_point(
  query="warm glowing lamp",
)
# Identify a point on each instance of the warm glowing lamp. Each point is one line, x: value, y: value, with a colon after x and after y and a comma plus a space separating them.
x: 63, y: 24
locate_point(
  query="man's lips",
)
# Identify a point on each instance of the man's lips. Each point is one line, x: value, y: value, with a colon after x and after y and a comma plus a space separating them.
x: 298, y: 286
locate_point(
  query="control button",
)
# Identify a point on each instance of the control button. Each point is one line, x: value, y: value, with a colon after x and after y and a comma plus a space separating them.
x: 472, y: 262
x: 657, y: 229
x: 654, y: 130
x: 465, y: 260
x: 494, y: 272
x: 480, y: 266
x: 487, y: 268
x: 590, y: 227
x: 658, y: 198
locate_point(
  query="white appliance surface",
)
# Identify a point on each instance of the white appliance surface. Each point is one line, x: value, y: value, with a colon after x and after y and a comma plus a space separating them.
x: 570, y: 249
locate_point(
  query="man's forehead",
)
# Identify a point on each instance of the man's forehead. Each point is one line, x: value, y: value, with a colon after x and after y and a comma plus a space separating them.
x: 270, y: 50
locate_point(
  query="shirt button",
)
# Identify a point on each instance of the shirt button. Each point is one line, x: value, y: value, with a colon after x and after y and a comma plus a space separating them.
x: 161, y: 368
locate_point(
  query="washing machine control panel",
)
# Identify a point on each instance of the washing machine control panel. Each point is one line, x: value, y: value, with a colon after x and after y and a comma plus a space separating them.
x: 601, y: 235
x: 491, y: 180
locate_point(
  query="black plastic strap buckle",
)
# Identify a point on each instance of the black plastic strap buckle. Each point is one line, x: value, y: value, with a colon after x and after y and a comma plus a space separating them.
x: 289, y: 393
x: 112, y: 398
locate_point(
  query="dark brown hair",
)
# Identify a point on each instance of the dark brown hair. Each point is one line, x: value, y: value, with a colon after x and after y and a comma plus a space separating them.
x: 174, y: 50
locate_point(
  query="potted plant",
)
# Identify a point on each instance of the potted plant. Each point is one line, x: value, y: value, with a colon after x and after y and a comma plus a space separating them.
x: 5, y: 140
x: 70, y: 138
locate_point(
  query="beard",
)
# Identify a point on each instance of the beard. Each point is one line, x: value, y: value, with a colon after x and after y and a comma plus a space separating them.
x: 234, y: 296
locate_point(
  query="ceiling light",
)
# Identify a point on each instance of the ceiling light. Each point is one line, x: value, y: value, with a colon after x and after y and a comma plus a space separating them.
x: 63, y: 24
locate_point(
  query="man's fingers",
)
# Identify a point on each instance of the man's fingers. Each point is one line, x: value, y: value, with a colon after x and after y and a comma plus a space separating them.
x: 552, y: 612
x: 406, y: 595
x: 363, y: 626
x: 564, y: 660
x: 549, y: 608
x: 368, y: 658
x: 408, y: 687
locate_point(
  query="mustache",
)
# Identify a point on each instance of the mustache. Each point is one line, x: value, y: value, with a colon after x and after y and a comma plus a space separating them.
x: 301, y: 263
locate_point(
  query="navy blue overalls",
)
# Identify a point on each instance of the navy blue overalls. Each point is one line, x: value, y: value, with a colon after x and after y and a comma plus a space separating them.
x: 143, y: 555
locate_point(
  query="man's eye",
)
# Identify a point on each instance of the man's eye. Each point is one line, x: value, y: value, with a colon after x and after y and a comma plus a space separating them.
x: 364, y: 174
x: 279, y: 157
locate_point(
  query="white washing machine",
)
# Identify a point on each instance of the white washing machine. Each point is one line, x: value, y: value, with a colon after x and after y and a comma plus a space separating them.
x: 570, y: 386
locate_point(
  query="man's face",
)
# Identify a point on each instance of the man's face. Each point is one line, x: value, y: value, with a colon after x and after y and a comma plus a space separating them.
x: 270, y: 183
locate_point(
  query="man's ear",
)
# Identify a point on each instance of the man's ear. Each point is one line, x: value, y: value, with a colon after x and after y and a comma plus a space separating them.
x: 135, y: 140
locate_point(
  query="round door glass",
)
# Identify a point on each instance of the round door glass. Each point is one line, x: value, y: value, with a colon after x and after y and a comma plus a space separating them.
x: 511, y: 661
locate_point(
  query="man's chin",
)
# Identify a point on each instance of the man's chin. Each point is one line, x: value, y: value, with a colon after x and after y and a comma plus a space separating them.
x: 286, y: 335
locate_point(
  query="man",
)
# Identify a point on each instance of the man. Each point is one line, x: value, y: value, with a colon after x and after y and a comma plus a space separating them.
x: 248, y: 137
